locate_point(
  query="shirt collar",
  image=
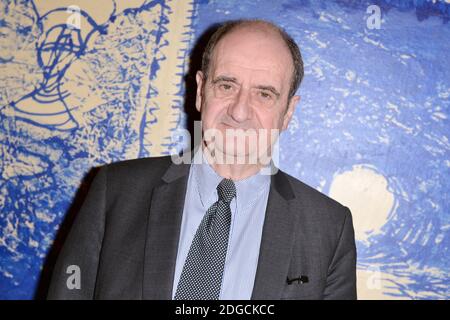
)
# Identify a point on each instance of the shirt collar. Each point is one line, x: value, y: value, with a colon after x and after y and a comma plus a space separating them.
x: 207, y: 179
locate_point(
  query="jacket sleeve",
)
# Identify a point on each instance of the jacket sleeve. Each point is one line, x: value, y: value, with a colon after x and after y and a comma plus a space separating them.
x: 75, y: 271
x: 341, y: 278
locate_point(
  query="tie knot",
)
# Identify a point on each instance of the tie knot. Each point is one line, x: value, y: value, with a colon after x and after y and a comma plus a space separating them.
x: 226, y: 190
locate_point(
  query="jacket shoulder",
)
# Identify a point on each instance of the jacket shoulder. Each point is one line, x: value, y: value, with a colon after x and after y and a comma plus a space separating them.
x: 137, y: 167
x: 136, y: 174
x: 317, y: 202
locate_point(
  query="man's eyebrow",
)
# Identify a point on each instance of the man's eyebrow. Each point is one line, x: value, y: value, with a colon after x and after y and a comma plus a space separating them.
x: 234, y: 80
x: 224, y: 78
x: 269, y: 88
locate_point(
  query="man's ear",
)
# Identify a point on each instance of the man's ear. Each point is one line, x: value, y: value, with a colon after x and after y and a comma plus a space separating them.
x: 199, y: 77
x: 290, y: 111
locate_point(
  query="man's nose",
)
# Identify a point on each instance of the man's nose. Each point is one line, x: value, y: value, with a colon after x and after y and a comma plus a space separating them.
x: 240, y: 109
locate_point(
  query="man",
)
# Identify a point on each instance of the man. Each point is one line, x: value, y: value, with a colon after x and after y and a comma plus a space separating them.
x: 152, y: 229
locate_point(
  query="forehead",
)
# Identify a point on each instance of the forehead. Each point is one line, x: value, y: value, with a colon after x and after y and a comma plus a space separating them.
x: 260, y: 52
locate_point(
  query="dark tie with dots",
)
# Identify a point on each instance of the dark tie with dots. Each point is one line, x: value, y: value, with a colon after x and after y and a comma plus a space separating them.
x: 201, y: 278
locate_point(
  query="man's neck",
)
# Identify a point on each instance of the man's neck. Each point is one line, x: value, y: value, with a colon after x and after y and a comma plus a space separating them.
x: 233, y: 171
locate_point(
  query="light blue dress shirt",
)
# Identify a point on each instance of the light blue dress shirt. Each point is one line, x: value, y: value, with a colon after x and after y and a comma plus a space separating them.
x: 248, y: 210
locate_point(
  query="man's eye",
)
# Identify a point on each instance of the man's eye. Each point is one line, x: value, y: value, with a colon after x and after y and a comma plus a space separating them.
x: 265, y: 95
x: 225, y: 87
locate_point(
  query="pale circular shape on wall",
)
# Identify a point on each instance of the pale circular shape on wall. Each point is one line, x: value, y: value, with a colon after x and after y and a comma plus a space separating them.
x: 365, y: 192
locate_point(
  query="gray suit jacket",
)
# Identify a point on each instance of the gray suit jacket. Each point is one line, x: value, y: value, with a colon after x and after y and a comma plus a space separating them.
x: 125, y: 238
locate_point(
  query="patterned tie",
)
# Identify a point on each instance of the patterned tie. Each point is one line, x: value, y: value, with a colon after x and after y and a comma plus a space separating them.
x: 201, y: 278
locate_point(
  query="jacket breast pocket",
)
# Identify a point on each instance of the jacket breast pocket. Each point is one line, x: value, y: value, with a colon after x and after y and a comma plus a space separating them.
x: 298, y: 290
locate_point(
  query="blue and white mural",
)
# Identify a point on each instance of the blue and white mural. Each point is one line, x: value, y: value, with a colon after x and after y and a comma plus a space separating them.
x: 87, y: 83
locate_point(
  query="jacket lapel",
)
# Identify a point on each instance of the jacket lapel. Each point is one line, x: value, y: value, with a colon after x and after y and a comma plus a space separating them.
x: 166, y: 210
x: 276, y: 242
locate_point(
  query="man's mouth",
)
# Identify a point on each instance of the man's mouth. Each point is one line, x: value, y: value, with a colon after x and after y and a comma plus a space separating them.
x: 228, y: 126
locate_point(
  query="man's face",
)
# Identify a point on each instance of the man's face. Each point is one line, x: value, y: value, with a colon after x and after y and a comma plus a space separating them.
x: 247, y: 87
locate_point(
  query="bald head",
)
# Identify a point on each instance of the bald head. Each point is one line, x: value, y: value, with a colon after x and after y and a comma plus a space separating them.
x: 268, y: 29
